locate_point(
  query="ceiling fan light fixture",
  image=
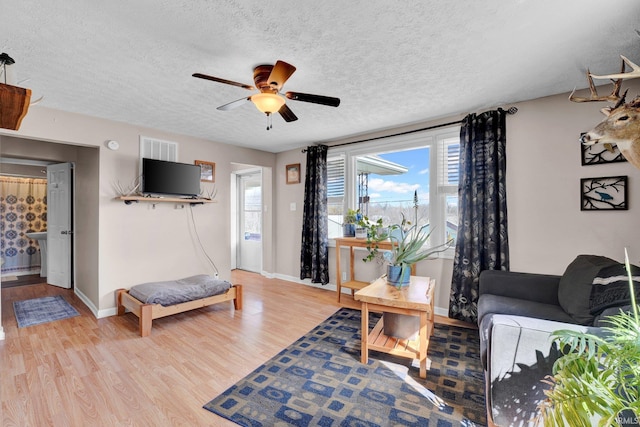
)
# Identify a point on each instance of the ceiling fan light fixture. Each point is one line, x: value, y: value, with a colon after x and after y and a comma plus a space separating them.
x: 268, y: 103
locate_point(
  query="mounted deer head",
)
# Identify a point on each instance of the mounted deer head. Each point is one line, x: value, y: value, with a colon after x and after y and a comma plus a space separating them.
x: 620, y: 127
x: 622, y: 124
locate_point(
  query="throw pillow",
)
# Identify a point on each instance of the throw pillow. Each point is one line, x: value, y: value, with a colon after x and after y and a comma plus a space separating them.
x: 574, y: 289
x: 611, y: 288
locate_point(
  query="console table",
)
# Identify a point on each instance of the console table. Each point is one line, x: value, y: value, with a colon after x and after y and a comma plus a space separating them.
x: 413, y: 300
x: 352, y: 243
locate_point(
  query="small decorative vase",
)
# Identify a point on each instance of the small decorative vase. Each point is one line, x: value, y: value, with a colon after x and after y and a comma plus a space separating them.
x: 398, y: 276
x: 361, y: 233
x: 348, y: 230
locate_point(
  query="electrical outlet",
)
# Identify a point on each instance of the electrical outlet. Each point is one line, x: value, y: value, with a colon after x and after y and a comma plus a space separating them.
x: 344, y: 276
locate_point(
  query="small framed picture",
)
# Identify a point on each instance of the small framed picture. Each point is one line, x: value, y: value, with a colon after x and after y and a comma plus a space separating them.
x: 605, y: 193
x: 293, y: 173
x: 207, y: 171
x: 600, y: 153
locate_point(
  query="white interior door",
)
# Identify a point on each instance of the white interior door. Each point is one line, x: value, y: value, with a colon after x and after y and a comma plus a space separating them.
x: 59, y: 224
x: 249, y: 255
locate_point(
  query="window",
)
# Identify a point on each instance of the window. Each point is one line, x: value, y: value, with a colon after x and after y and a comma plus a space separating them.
x: 335, y: 195
x: 413, y: 176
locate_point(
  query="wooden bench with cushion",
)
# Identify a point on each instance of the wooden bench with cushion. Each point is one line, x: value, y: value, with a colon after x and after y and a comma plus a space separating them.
x: 154, y: 300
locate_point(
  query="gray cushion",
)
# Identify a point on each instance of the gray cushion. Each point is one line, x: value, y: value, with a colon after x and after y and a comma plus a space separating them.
x: 177, y: 291
x: 602, y: 319
x: 574, y: 289
x: 521, y: 356
x: 493, y: 305
x: 611, y: 287
x: 498, y: 304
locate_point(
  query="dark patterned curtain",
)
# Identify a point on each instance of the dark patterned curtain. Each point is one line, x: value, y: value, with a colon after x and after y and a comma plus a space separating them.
x: 482, y: 242
x: 314, y: 256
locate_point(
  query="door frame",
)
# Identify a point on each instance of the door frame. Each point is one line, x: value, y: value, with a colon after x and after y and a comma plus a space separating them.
x: 45, y: 163
x: 235, y: 213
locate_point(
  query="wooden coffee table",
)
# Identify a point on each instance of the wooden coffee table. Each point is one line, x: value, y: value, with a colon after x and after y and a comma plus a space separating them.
x: 414, y: 300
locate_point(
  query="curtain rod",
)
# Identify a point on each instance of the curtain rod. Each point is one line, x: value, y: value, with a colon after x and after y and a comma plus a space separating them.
x: 511, y: 111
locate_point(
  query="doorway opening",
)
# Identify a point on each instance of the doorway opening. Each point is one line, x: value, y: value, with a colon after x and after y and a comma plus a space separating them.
x: 249, y: 225
x: 37, y: 199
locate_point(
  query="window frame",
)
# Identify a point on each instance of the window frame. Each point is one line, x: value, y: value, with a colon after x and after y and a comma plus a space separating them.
x: 434, y: 139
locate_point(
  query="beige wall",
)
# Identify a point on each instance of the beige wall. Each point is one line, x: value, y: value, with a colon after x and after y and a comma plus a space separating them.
x: 139, y: 243
x: 125, y: 245
x: 546, y: 227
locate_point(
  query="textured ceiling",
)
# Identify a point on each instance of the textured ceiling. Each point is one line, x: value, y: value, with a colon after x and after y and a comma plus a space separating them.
x: 390, y: 62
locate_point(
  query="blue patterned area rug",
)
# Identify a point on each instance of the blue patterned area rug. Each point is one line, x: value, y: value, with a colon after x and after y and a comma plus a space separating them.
x: 42, y: 310
x: 319, y: 381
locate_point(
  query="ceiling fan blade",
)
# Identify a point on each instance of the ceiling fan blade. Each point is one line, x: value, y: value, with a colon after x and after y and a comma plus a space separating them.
x: 280, y: 74
x: 219, y: 80
x: 316, y: 99
x: 287, y: 114
x: 234, y: 104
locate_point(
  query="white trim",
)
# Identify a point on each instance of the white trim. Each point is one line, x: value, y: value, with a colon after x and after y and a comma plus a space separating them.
x: 86, y: 301
x: 267, y: 274
x: 307, y: 282
x: 107, y: 313
x: 1, y: 333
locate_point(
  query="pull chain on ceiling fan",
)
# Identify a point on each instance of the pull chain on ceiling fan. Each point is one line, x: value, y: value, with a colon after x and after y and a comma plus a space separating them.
x: 269, y: 80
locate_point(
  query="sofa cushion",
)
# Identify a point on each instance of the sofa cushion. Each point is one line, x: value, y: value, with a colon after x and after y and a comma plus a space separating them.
x: 611, y: 288
x: 574, y: 290
x: 498, y: 304
x: 602, y: 319
x: 521, y: 356
x: 493, y: 305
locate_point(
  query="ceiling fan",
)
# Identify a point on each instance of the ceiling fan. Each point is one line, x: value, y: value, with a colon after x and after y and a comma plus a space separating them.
x: 269, y: 80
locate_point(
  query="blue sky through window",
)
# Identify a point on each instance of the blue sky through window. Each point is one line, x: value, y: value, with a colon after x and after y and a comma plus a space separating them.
x: 400, y: 188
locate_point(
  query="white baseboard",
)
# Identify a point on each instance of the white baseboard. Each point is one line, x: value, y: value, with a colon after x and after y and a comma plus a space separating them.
x: 86, y: 301
x: 99, y: 314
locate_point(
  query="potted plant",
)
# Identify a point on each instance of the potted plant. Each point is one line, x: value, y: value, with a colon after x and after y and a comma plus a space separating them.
x: 349, y: 223
x: 407, y: 248
x: 598, y: 377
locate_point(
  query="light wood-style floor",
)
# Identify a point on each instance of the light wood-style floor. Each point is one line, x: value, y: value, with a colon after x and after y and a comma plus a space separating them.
x: 99, y: 372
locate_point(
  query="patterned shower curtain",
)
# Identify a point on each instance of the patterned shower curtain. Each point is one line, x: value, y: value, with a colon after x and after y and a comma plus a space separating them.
x: 314, y: 256
x: 23, y: 209
x: 482, y: 242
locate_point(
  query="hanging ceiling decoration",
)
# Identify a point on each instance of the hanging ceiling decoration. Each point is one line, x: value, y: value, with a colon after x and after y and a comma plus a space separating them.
x: 14, y: 100
x: 269, y: 80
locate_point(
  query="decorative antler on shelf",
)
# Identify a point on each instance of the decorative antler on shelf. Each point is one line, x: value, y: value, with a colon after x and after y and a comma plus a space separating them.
x: 129, y: 190
x: 209, y: 194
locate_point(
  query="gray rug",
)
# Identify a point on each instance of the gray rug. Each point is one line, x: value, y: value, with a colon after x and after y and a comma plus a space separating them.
x: 42, y: 310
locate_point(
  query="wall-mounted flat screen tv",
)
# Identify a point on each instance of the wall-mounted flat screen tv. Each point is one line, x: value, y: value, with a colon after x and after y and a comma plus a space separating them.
x: 162, y: 177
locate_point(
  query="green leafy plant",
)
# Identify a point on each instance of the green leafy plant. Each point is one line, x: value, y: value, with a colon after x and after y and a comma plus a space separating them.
x: 351, y: 217
x: 408, y: 243
x: 410, y: 246
x: 597, y: 377
x: 376, y: 233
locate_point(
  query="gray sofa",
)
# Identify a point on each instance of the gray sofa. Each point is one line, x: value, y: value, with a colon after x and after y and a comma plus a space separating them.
x: 517, y: 312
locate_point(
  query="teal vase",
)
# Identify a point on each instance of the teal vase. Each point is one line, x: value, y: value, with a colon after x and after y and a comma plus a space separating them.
x: 398, y: 275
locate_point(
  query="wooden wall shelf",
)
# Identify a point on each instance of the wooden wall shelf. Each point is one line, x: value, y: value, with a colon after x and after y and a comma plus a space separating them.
x: 135, y: 199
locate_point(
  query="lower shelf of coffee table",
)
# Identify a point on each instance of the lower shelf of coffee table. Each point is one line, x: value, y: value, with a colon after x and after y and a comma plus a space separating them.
x: 378, y: 341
